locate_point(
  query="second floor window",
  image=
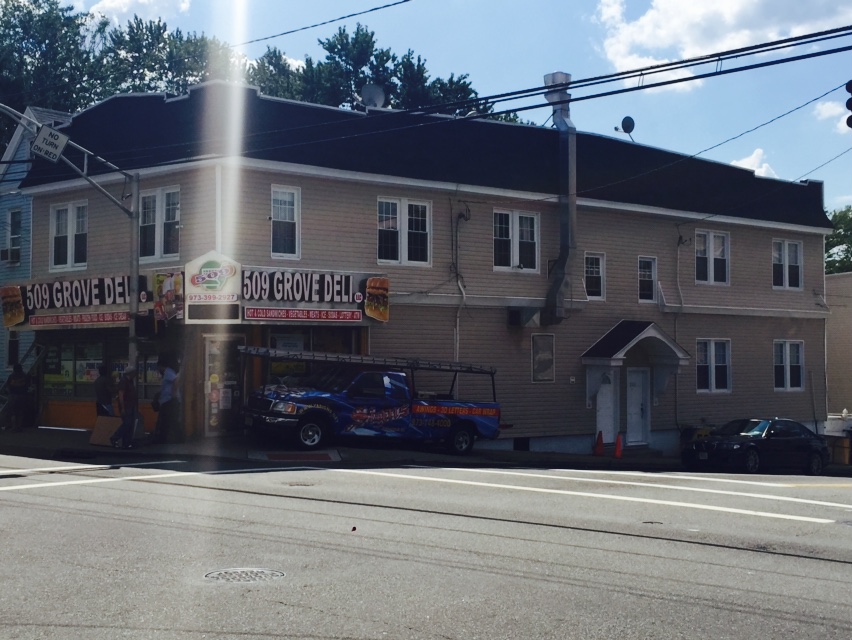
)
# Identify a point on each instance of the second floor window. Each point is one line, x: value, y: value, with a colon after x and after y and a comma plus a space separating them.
x: 595, y: 276
x: 69, y: 236
x: 159, y: 223
x: 647, y: 279
x: 516, y: 240
x: 711, y: 257
x: 404, y: 230
x: 12, y: 250
x: 286, y: 217
x: 713, y: 369
x: 786, y: 264
x: 789, y: 365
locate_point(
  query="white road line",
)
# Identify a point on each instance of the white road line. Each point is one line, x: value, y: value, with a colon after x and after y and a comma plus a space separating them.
x: 685, y: 476
x: 763, y: 496
x: 154, y: 476
x: 597, y: 496
x: 86, y: 467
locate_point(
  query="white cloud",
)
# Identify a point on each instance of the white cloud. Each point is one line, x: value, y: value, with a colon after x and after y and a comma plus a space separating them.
x: 757, y: 163
x: 120, y: 11
x: 835, y: 111
x: 672, y: 30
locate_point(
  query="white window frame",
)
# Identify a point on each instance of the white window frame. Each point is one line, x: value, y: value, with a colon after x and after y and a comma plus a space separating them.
x: 711, y: 364
x: 787, y: 364
x: 402, y: 230
x: 653, y: 279
x: 710, y: 246
x: 159, y: 223
x: 515, y: 263
x: 785, y: 263
x: 72, y: 228
x: 602, y: 258
x: 543, y: 345
x: 275, y: 216
x: 11, y: 252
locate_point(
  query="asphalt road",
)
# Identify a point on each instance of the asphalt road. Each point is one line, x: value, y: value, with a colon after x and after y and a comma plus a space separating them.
x: 170, y: 549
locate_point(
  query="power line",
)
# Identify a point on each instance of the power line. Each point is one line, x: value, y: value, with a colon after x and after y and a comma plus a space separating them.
x: 320, y: 24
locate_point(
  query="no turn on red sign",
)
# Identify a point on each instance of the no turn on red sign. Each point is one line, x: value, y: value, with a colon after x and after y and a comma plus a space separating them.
x: 49, y: 143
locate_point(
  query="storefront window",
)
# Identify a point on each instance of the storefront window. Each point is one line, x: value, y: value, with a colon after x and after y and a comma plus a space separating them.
x: 59, y: 370
x: 89, y: 356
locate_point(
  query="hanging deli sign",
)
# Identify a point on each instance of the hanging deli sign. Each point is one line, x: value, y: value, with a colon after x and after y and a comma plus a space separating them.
x: 307, y: 295
x: 317, y: 287
x: 212, y: 290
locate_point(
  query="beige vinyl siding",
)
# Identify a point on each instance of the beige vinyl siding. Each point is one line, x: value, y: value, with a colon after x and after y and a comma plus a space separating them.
x: 753, y: 391
x: 839, y: 340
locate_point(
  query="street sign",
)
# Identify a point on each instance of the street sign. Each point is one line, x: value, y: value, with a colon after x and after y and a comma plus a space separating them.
x: 49, y: 143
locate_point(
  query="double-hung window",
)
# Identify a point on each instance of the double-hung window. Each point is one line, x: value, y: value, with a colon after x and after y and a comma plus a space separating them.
x: 647, y: 279
x: 12, y: 249
x: 711, y: 257
x: 69, y: 236
x: 595, y: 276
x: 789, y: 358
x: 786, y: 264
x: 713, y: 365
x: 404, y: 230
x: 286, y: 221
x: 516, y: 240
x: 159, y: 223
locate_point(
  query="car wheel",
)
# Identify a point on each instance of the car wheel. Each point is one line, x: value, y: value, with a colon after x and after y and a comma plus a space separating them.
x: 461, y: 440
x: 311, y: 433
x: 752, y: 461
x: 815, y: 465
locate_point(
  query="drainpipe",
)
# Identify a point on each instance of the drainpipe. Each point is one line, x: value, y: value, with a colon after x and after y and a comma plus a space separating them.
x: 554, y: 309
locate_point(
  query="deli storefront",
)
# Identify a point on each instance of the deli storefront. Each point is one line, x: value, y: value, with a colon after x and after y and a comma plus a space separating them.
x: 196, y: 316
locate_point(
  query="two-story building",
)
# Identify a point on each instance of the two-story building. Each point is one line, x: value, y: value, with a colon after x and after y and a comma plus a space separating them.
x: 16, y: 342
x: 617, y: 288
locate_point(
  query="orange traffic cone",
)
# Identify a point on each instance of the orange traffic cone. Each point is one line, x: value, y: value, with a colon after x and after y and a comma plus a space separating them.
x: 598, y: 449
x: 618, y: 446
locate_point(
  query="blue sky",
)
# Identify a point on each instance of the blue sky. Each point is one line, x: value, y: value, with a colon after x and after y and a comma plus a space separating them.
x: 508, y: 45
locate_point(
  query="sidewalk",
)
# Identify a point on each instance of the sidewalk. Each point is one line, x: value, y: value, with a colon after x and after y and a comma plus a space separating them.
x: 69, y: 444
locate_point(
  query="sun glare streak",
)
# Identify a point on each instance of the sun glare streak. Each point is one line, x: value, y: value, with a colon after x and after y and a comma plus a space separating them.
x: 233, y: 21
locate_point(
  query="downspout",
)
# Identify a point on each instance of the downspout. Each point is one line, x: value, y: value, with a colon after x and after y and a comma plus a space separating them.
x: 554, y: 309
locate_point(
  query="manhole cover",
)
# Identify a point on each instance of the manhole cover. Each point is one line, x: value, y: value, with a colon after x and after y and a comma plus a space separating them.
x: 244, y: 575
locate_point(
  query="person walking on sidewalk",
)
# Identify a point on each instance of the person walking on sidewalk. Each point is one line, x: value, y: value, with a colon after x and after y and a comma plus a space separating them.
x: 104, y: 392
x: 19, y: 397
x: 168, y: 427
x: 128, y: 405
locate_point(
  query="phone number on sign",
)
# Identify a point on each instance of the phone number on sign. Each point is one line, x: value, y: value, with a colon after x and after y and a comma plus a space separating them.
x: 211, y: 297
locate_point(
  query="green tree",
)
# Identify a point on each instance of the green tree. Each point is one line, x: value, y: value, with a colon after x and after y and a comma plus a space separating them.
x: 46, y: 57
x: 838, y: 244
x: 273, y: 74
x: 146, y: 57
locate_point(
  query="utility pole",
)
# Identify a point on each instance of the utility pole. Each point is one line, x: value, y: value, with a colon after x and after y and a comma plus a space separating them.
x: 50, y: 144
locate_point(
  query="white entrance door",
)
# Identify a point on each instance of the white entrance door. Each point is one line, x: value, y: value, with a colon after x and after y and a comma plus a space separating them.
x: 638, y: 405
x: 605, y: 404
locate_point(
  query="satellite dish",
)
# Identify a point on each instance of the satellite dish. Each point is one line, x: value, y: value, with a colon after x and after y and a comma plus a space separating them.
x: 372, y: 95
x: 627, y: 125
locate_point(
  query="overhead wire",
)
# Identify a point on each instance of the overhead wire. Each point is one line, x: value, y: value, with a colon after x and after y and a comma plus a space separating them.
x: 319, y: 24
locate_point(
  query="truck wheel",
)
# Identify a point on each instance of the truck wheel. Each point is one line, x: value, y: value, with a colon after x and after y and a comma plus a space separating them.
x: 461, y: 440
x: 311, y: 433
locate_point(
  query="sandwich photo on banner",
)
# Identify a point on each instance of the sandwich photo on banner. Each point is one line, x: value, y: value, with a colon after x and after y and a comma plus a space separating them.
x: 13, y: 306
x: 376, y: 303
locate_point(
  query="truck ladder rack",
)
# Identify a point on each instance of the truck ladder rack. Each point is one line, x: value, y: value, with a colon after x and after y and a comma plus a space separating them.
x: 342, y: 358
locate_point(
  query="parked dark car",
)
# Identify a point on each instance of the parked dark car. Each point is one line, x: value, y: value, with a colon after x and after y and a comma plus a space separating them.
x: 759, y: 445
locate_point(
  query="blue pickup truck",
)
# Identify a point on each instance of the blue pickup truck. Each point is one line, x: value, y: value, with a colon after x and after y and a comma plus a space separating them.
x: 345, y: 396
